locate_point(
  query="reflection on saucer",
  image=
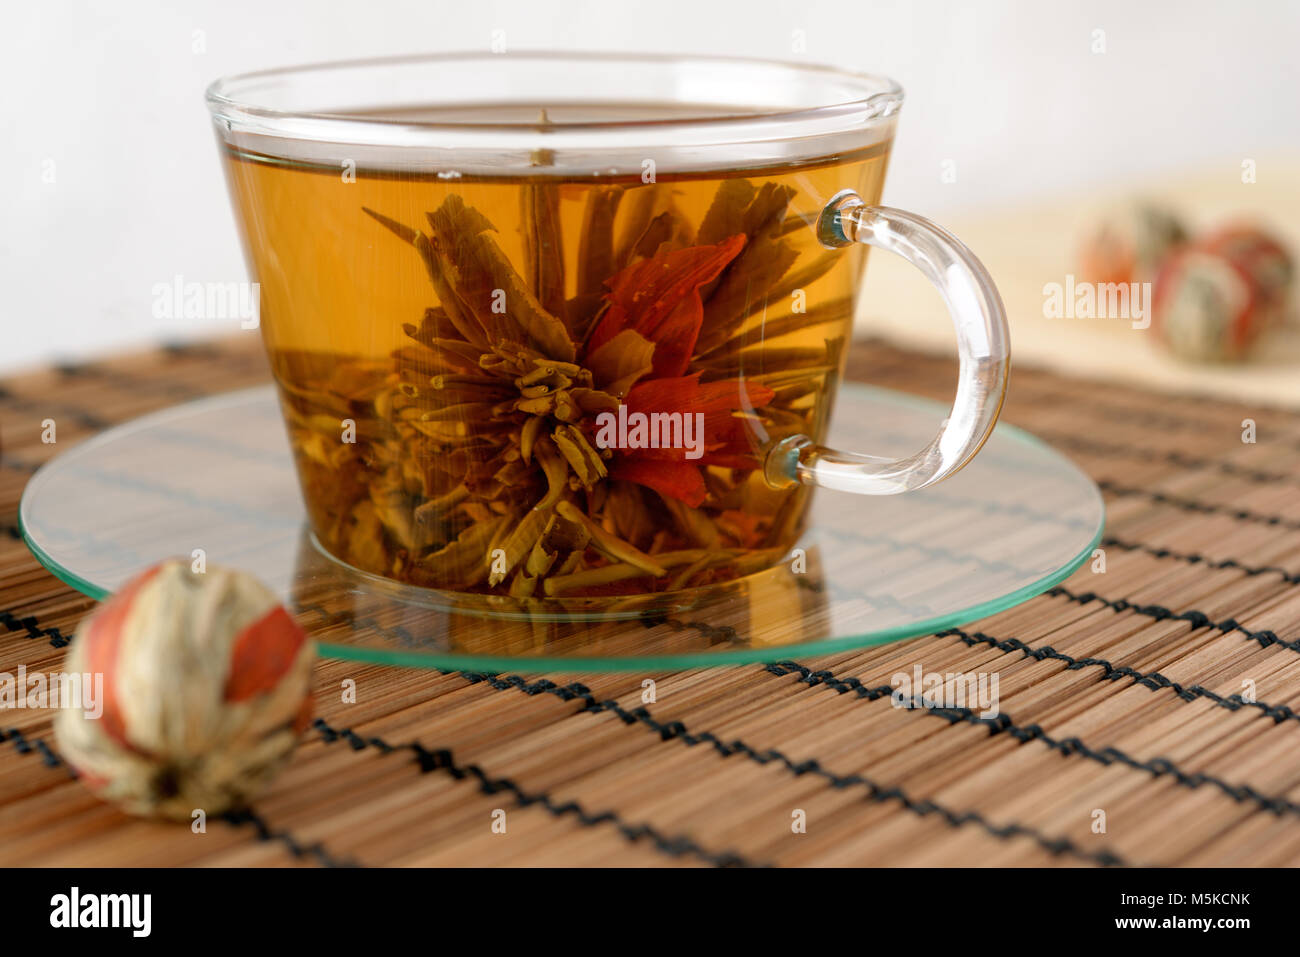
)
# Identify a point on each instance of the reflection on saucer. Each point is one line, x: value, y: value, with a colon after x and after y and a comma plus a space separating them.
x: 784, y: 605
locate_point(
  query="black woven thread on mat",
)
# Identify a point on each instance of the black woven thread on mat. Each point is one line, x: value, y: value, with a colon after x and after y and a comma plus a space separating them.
x: 124, y: 381
x: 1177, y: 459
x: 193, y: 350
x: 34, y: 629
x: 7, y: 461
x: 1201, y: 508
x: 1194, y: 558
x: 1264, y: 637
x: 1158, y: 766
x: 1004, y: 724
x: 54, y: 410
x: 936, y: 552
x: 1163, y: 421
x: 441, y: 759
x: 575, y: 691
x: 398, y: 633
x: 24, y: 745
x: 876, y: 793
x: 1152, y: 680
x: 316, y: 851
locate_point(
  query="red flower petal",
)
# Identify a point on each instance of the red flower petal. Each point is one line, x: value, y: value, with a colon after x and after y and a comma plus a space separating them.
x: 262, y: 654
x: 660, y: 298
x: 103, y: 641
x: 728, y: 441
x: 678, y: 480
x: 687, y: 394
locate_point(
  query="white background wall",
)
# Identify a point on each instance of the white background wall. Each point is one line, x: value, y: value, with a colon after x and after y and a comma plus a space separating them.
x: 108, y: 98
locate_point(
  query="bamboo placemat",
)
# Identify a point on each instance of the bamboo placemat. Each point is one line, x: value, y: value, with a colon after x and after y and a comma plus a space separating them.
x: 1160, y: 693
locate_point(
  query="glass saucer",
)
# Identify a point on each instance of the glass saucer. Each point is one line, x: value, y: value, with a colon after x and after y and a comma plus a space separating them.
x: 215, y: 475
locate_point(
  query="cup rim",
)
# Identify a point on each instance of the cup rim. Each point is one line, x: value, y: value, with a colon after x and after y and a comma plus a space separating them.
x: 882, y: 97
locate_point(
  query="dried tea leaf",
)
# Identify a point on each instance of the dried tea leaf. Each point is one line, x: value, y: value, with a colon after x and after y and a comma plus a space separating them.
x: 513, y: 474
x: 553, y: 467
x: 569, y: 583
x: 596, y: 261
x: 658, y: 235
x: 434, y: 325
x: 466, y: 560
x: 393, y: 506
x: 544, y: 245
x: 772, y: 329
x: 529, y: 435
x: 726, y: 214
x: 472, y: 412
x: 433, y: 510
x: 637, y: 213
x: 591, y: 402
x: 766, y: 212
x: 585, y: 461
x: 540, y: 560
x: 483, y: 277
x: 682, y: 578
x: 402, y: 231
x: 609, y: 545
x: 522, y: 585
x: 443, y: 388
x: 760, y: 222
x: 692, y: 523
x: 562, y: 535
x: 459, y: 314
x: 796, y: 221
x: 626, y: 510
x: 762, y: 359
x: 617, y: 364
x: 743, y: 289
x: 520, y: 542
x: 421, y: 362
x: 805, y: 277
x: 450, y: 302
x: 364, y: 546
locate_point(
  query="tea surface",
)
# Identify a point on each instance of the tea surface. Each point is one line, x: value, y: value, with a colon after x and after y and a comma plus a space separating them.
x: 552, y: 385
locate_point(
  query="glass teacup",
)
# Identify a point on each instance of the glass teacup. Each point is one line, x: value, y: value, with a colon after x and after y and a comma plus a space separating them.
x: 554, y: 326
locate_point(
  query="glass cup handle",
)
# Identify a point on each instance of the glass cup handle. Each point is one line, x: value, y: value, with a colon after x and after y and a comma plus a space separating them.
x: 982, y: 344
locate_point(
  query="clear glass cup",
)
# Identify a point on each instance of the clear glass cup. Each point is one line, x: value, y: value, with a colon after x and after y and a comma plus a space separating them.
x: 498, y: 292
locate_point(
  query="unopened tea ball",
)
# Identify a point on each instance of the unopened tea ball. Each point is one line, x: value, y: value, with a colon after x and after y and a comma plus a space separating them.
x: 1130, y: 242
x: 1214, y: 298
x: 206, y: 690
x: 1260, y: 254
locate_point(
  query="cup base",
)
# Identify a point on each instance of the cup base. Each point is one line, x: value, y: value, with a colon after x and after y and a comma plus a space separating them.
x: 214, y: 480
x: 508, y: 608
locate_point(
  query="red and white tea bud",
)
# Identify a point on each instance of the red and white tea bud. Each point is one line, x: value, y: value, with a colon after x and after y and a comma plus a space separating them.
x: 1215, y: 297
x: 206, y: 691
x: 1129, y: 244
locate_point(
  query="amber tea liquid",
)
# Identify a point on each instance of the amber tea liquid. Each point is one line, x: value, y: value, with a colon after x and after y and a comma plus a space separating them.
x: 552, y: 385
